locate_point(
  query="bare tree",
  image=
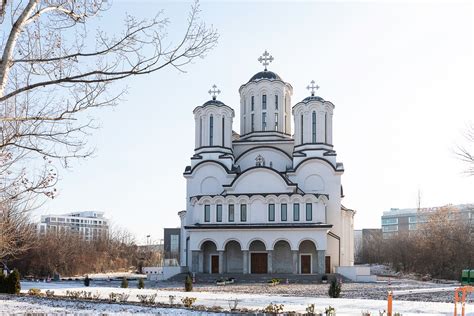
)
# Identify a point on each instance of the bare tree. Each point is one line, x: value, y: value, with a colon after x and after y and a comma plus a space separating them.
x: 16, y: 232
x: 466, y: 152
x: 52, y: 74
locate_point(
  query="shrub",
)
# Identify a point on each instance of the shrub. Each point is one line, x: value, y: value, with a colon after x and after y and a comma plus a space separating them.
x: 49, y: 293
x: 87, y: 281
x: 147, y: 299
x: 273, y: 308
x: 34, y: 292
x: 188, y: 283
x: 73, y: 294
x: 188, y: 301
x: 311, y: 310
x: 3, y: 283
x: 171, y: 299
x: 124, y: 283
x: 233, y: 303
x: 118, y: 297
x: 330, y: 311
x: 335, y: 289
x: 13, y: 283
x: 141, y: 284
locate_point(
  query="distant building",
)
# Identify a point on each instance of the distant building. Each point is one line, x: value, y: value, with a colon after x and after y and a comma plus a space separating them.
x: 89, y: 224
x: 407, y: 220
x: 171, y: 242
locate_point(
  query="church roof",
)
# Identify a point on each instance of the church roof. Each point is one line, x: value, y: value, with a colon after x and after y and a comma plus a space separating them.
x: 265, y: 75
x: 214, y: 102
x: 312, y: 98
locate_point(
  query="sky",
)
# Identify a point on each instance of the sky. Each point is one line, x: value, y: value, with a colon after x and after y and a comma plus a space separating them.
x: 400, y: 75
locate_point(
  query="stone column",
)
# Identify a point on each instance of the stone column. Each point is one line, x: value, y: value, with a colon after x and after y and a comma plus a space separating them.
x: 295, y: 261
x: 195, y: 261
x: 321, y: 261
x: 201, y: 262
x: 270, y: 261
x: 221, y: 261
x: 245, y: 255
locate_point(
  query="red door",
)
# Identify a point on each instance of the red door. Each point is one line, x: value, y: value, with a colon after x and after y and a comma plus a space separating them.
x: 305, y: 264
x: 214, y: 264
x: 258, y: 263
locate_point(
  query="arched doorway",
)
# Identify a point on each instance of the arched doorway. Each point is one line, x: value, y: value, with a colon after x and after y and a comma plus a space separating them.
x: 308, y: 257
x: 234, y: 259
x: 282, y: 257
x: 210, y: 257
x: 258, y: 257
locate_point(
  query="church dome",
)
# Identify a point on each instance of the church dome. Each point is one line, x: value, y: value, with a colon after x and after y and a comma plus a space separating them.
x: 214, y: 102
x: 265, y: 75
x: 312, y: 98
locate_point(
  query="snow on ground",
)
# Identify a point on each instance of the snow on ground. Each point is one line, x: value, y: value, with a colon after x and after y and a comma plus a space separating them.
x: 344, y: 306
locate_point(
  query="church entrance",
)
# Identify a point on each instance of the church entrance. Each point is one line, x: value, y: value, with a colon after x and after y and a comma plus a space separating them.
x: 258, y: 262
x: 214, y: 264
x: 328, y: 264
x: 305, y: 264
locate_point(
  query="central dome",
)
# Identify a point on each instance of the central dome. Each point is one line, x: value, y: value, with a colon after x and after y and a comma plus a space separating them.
x: 265, y: 75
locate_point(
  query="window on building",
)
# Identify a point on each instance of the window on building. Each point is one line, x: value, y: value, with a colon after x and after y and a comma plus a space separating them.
x: 243, y: 212
x: 326, y: 128
x: 301, y: 123
x: 264, y: 102
x: 200, y: 132
x: 391, y: 228
x: 271, y: 212
x: 411, y: 226
x: 211, y: 130
x: 252, y: 122
x: 313, y: 127
x: 231, y: 213
x: 296, y: 212
x: 412, y: 219
x: 174, y: 243
x: 245, y: 106
x: 223, y: 130
x: 207, y: 213
x: 309, y: 211
x: 276, y: 121
x: 276, y: 102
x: 284, y: 213
x: 252, y: 103
x: 219, y: 213
x: 389, y: 221
x: 264, y: 121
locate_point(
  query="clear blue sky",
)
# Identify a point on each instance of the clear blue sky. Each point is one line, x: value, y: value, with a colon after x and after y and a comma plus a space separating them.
x: 400, y: 74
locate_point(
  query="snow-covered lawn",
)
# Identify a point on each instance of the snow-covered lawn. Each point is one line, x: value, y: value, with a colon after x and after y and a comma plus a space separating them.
x: 252, y: 301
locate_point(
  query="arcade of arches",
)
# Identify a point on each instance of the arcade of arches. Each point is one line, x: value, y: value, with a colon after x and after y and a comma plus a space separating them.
x: 258, y: 259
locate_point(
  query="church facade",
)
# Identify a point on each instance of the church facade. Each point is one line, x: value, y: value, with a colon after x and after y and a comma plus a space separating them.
x: 267, y: 200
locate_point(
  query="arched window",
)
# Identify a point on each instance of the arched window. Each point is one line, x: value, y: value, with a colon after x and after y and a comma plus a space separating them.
x: 313, y: 124
x: 200, y: 131
x: 325, y: 128
x: 301, y: 128
x: 223, y: 135
x: 211, y: 130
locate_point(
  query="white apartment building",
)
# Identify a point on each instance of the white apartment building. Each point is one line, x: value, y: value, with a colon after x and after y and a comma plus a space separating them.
x: 89, y: 224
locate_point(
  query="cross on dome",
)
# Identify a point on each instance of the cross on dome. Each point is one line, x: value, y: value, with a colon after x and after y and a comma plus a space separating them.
x: 214, y: 92
x: 265, y: 59
x: 312, y: 87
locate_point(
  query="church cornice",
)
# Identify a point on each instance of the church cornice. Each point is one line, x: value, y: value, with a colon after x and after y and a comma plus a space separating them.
x: 189, y: 170
x: 338, y: 168
x: 249, y: 195
x: 260, y: 226
x: 261, y: 147
x: 281, y: 174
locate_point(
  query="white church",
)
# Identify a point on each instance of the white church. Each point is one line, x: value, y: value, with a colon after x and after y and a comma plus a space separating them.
x: 267, y: 200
